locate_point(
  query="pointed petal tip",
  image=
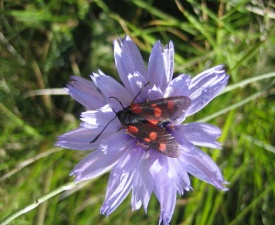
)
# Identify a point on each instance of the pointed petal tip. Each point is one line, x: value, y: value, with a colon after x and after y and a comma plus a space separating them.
x: 120, y: 40
x: 58, y: 144
x: 60, y: 141
x: 220, y: 185
x: 188, y: 188
x: 170, y: 45
x: 164, y: 220
x: 127, y: 38
x: 105, y: 209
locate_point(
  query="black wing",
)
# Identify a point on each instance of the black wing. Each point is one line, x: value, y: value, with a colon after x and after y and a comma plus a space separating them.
x: 166, y: 109
x: 155, y: 137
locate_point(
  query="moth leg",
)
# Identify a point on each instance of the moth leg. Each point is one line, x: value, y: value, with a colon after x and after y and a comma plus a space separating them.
x: 144, y: 145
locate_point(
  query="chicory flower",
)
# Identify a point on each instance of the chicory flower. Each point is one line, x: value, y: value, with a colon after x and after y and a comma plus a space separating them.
x: 134, y: 167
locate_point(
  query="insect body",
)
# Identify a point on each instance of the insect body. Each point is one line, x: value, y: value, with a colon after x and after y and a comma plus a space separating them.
x: 147, y: 122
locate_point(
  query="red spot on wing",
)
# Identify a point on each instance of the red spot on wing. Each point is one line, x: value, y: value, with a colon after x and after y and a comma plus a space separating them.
x: 162, y: 146
x: 157, y: 112
x: 170, y: 104
x: 152, y: 137
x: 136, y: 108
x: 132, y: 129
x: 147, y: 140
x: 155, y: 122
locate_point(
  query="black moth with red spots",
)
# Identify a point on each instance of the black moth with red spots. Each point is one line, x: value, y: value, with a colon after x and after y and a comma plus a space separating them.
x: 147, y: 122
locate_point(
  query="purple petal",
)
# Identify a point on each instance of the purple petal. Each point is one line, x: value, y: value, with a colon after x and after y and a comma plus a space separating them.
x: 200, y: 165
x: 120, y: 181
x: 201, y: 134
x: 205, y: 86
x: 168, y: 58
x: 111, y: 88
x: 104, y: 158
x: 164, y: 187
x: 138, y: 87
x: 155, y: 93
x: 203, y: 167
x: 157, y: 66
x: 180, y: 177
x: 178, y: 86
x: 78, y: 139
x: 143, y: 183
x: 98, y: 119
x: 129, y: 62
x: 85, y: 93
x: 166, y: 194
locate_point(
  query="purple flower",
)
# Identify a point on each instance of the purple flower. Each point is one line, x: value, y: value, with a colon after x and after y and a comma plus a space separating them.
x: 134, y: 167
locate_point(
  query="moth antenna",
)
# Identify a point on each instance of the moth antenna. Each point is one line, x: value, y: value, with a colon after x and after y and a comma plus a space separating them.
x: 140, y: 92
x: 97, y: 136
x: 118, y: 101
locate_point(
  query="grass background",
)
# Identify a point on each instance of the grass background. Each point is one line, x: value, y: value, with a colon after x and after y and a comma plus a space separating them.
x: 43, y: 42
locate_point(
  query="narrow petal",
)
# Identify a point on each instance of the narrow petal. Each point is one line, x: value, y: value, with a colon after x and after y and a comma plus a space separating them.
x: 201, y: 134
x: 142, y: 189
x: 120, y: 181
x: 139, y: 87
x: 155, y: 93
x: 143, y: 183
x: 168, y: 58
x: 104, y: 158
x: 166, y: 194
x: 156, y: 67
x: 178, y: 86
x: 205, y: 86
x: 179, y: 175
x: 78, y: 139
x: 164, y: 187
x: 200, y: 165
x: 85, y: 93
x: 111, y: 88
x: 98, y: 119
x: 129, y: 62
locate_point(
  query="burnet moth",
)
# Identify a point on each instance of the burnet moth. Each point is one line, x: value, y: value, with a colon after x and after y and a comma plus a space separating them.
x: 147, y: 122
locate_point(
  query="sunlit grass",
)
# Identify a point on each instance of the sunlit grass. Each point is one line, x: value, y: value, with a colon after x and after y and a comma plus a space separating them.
x: 44, y: 42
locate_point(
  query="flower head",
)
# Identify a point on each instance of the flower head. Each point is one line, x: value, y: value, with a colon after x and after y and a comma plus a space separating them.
x: 135, y: 165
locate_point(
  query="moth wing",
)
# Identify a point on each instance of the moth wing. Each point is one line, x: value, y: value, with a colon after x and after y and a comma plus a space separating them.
x: 166, y: 109
x: 155, y: 137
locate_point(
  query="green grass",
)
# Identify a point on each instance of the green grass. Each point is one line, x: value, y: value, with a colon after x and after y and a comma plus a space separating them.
x: 44, y: 42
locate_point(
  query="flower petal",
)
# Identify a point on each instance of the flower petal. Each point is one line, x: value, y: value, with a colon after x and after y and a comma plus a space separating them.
x: 120, y: 181
x: 104, y: 158
x: 179, y: 176
x: 205, y: 86
x: 166, y: 194
x: 85, y: 93
x: 139, y: 87
x: 168, y: 58
x: 159, y: 67
x: 178, y: 86
x: 78, y: 139
x: 164, y: 187
x: 143, y: 183
x: 98, y: 119
x: 111, y: 88
x: 155, y: 93
x: 200, y: 165
x: 201, y: 134
x: 129, y: 61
